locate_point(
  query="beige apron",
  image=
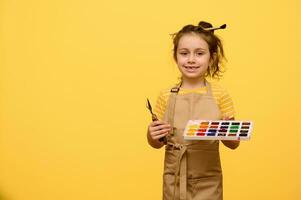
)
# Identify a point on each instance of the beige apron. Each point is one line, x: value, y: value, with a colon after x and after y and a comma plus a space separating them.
x: 192, y: 169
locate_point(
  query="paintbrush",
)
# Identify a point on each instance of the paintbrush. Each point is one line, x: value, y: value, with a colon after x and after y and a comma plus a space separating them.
x: 154, y: 118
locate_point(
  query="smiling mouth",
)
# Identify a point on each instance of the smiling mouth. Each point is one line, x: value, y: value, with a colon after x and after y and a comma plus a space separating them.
x: 191, y: 67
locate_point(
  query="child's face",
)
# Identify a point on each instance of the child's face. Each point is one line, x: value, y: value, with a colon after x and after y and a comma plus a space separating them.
x: 193, y: 56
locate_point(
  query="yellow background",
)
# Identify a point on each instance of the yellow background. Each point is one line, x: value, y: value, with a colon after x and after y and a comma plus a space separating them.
x: 74, y: 80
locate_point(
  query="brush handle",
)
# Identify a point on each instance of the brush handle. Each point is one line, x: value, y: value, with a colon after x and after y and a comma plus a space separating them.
x: 163, y: 139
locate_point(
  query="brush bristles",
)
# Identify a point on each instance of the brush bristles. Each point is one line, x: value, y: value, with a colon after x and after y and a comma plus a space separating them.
x: 223, y: 26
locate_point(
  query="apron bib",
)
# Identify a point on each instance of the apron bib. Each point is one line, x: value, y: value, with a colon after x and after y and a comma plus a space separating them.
x: 192, y: 169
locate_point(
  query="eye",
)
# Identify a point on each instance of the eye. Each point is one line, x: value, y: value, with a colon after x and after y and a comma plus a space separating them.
x: 183, y: 53
x: 199, y: 53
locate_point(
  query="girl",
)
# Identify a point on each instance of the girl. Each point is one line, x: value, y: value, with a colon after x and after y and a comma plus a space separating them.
x: 192, y: 169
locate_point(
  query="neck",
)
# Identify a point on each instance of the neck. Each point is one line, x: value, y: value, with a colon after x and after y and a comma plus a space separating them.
x: 193, y: 83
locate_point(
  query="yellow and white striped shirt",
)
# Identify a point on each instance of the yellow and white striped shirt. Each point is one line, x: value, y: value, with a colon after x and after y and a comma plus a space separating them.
x: 221, y: 96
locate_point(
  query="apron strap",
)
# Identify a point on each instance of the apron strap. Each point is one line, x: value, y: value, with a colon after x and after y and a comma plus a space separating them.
x: 209, y: 89
x: 182, y: 173
x: 172, y: 103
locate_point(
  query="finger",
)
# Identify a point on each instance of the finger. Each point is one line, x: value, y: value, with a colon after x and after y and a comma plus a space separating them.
x: 156, y: 128
x: 159, y: 133
x: 153, y: 124
x: 157, y: 122
x: 226, y: 118
x: 162, y: 131
x: 160, y: 136
x: 160, y: 125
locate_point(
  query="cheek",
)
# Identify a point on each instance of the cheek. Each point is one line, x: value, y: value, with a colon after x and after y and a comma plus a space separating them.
x: 180, y: 61
x: 205, y: 60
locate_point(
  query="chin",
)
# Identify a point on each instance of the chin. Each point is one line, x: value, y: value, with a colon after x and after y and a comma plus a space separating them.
x: 192, y: 76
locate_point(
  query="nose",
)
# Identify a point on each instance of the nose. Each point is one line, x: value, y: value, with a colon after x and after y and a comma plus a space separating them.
x: 191, y: 58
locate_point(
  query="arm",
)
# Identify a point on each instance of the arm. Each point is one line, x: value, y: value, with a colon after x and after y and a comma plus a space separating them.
x: 232, y: 144
x: 227, y: 108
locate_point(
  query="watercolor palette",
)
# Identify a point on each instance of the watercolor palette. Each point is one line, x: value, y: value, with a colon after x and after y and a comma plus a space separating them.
x: 218, y: 130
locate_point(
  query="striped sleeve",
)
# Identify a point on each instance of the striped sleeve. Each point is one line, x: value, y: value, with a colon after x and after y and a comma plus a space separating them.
x: 226, y: 104
x: 160, y: 106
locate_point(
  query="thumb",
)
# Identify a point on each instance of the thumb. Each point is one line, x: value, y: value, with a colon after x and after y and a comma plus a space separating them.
x: 226, y: 118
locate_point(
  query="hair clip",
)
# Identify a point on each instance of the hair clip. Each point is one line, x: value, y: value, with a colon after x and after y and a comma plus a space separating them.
x: 215, y: 28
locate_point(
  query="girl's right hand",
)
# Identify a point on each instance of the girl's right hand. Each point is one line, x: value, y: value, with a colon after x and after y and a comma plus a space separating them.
x: 158, y: 129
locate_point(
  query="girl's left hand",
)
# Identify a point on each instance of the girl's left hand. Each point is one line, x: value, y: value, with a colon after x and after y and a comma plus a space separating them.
x: 232, y: 144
